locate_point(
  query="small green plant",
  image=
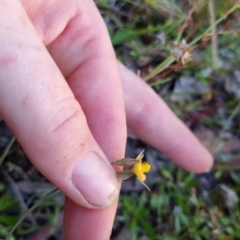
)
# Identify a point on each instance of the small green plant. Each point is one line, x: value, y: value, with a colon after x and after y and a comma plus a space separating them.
x: 7, y: 219
x: 177, y: 209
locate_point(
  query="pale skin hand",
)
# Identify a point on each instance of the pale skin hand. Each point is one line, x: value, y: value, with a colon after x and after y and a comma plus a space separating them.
x: 68, y: 101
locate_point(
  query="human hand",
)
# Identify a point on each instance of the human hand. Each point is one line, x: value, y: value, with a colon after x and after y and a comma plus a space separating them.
x: 61, y: 94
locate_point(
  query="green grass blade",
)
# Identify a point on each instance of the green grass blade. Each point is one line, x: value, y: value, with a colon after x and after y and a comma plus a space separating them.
x: 55, y: 190
x: 6, y: 150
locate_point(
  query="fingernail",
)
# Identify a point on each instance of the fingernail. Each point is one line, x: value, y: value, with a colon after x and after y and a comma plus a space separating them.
x: 95, y: 180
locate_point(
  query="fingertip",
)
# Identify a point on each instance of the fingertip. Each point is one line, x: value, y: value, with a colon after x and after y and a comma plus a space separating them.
x: 190, y: 155
x: 206, y: 162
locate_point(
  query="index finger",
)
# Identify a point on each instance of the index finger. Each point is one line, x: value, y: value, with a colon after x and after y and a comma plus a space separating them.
x: 152, y: 121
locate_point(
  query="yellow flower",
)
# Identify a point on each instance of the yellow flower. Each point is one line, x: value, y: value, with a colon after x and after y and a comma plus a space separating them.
x: 139, y: 168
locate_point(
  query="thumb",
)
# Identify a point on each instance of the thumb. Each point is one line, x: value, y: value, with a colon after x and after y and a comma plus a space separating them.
x: 39, y: 107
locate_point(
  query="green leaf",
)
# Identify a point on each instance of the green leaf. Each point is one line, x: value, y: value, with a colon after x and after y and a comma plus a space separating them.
x: 126, y: 34
x: 166, y: 173
x: 8, y: 220
x: 7, y: 203
x: 147, y: 227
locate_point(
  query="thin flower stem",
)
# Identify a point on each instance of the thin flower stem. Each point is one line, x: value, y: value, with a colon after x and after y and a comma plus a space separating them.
x: 168, y: 61
x: 55, y: 190
x: 226, y: 167
x: 6, y: 150
x: 215, y: 59
x: 162, y: 66
x: 209, y: 29
x: 188, y: 17
x: 145, y: 185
